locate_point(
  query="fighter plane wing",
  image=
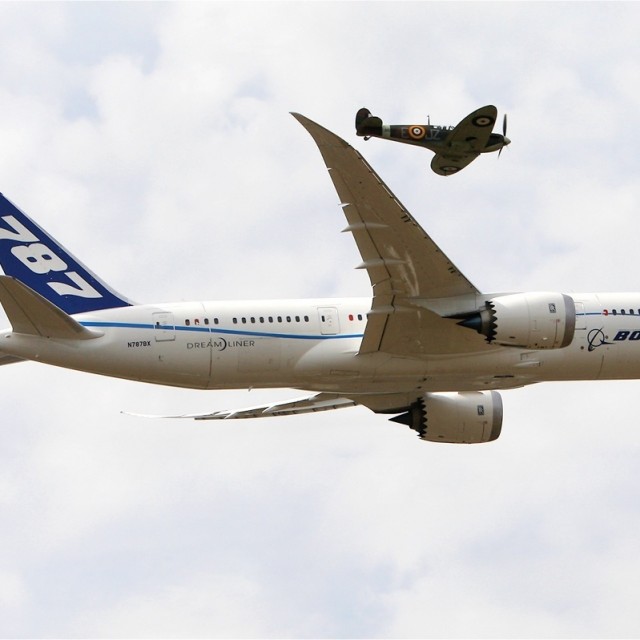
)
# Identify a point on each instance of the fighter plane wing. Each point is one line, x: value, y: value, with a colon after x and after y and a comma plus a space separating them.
x: 403, y: 263
x: 447, y: 165
x: 466, y: 141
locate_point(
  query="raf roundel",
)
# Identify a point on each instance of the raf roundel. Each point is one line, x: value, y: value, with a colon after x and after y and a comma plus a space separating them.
x: 483, y: 121
x: 417, y: 132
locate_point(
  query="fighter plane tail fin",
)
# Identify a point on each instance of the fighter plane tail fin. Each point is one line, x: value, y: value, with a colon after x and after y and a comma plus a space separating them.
x: 366, y: 124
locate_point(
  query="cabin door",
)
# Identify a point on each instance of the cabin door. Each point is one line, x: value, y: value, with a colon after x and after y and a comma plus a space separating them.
x: 164, y: 327
x: 329, y: 321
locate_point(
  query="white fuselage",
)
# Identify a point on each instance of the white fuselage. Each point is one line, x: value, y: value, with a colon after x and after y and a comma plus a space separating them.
x: 314, y: 343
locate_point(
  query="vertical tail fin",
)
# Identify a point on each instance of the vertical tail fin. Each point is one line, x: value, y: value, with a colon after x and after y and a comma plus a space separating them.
x: 32, y: 256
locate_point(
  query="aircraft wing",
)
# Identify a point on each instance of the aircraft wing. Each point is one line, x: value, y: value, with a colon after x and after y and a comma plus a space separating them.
x: 447, y: 165
x: 386, y: 403
x: 403, y: 263
x: 311, y: 404
x: 466, y: 141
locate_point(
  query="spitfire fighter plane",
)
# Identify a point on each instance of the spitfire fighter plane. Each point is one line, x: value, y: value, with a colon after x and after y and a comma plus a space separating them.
x: 427, y: 347
x: 455, y: 147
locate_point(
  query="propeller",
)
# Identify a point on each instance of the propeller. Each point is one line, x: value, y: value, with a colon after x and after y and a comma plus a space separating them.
x: 506, y: 140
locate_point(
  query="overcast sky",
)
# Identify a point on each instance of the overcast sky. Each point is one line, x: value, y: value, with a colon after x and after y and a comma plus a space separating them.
x: 155, y: 142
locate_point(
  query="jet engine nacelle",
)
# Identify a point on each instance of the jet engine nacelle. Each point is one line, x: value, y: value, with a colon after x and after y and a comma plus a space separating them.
x: 527, y: 320
x: 461, y: 418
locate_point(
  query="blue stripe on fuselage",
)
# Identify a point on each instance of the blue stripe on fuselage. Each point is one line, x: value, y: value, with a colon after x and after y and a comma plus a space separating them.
x: 216, y: 330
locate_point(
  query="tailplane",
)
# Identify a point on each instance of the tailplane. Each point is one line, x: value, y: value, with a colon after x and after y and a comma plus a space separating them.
x: 31, y: 314
x: 30, y: 255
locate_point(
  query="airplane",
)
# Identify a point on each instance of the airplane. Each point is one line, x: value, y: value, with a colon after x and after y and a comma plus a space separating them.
x: 455, y: 147
x: 428, y: 348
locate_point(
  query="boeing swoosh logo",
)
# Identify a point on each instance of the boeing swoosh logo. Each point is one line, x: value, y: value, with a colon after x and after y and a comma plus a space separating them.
x: 596, y: 338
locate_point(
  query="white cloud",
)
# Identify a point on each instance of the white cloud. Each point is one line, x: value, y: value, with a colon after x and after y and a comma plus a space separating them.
x: 155, y: 142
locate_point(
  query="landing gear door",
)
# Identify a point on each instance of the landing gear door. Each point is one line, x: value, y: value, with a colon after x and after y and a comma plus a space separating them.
x: 329, y: 321
x: 164, y: 327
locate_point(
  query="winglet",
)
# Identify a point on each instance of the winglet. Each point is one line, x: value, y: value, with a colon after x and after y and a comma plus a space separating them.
x: 32, y: 314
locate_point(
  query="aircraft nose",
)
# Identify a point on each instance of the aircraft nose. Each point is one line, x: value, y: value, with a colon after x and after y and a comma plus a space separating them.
x: 506, y: 141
